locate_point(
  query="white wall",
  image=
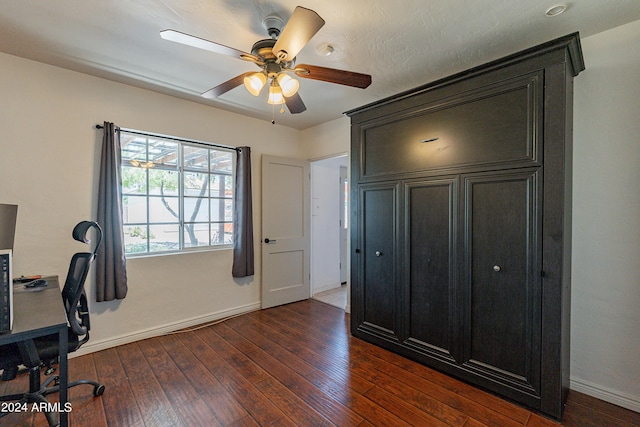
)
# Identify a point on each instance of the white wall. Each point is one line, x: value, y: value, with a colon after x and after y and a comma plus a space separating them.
x: 49, y: 164
x: 605, y: 334
x: 328, y: 139
x: 325, y: 223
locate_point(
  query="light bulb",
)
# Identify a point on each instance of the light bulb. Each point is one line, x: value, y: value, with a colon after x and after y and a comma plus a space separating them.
x: 289, y: 85
x: 275, y: 95
x: 255, y: 82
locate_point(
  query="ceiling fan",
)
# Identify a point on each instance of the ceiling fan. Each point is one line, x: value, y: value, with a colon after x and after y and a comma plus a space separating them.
x: 276, y: 58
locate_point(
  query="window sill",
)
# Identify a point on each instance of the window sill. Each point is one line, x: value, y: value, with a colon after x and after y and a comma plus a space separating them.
x: 182, y: 252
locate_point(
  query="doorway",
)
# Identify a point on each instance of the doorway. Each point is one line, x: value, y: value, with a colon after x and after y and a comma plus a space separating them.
x: 330, y: 230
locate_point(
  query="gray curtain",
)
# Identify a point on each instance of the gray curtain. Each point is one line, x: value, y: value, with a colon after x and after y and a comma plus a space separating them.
x: 111, y: 272
x: 243, y: 216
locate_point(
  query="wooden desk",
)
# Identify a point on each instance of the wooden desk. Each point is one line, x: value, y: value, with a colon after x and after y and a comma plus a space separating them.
x: 39, y: 312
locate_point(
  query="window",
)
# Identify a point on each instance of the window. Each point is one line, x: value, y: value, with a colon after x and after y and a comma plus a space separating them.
x: 176, y: 195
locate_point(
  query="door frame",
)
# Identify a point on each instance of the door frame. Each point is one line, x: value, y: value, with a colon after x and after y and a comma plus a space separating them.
x: 347, y: 156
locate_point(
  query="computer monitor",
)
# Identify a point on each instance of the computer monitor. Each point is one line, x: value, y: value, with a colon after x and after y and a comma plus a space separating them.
x: 8, y: 215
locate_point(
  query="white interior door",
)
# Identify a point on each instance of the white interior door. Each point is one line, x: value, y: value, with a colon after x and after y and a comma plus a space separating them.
x: 285, y: 230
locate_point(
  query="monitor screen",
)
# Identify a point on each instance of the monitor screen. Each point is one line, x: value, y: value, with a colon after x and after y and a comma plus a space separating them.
x: 8, y: 214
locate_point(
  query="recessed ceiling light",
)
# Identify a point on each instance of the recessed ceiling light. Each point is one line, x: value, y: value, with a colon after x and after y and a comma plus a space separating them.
x: 556, y: 10
x: 325, y: 49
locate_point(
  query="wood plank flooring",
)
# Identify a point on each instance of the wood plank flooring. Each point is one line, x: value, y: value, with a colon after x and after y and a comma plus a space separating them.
x: 290, y: 365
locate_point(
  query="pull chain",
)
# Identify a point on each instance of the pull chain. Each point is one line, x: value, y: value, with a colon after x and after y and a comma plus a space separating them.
x: 273, y: 114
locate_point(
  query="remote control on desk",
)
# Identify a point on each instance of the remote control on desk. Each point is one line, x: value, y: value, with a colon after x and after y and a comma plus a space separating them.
x: 38, y: 283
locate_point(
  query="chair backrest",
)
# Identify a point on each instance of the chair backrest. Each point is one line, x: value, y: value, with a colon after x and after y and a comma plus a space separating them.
x: 73, y: 293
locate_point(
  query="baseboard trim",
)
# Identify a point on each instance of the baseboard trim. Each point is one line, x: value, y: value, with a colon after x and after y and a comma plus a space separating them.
x: 93, y: 346
x: 617, y: 398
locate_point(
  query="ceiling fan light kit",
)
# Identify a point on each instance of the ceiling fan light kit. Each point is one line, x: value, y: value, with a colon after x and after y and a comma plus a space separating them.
x: 276, y: 96
x: 288, y: 84
x: 255, y: 82
x: 276, y: 57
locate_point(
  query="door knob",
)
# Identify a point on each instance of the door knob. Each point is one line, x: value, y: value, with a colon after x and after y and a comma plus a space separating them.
x: 497, y: 268
x: 268, y: 240
x: 378, y: 253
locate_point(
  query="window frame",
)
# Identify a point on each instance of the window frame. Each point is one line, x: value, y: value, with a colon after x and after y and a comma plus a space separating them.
x: 224, y: 197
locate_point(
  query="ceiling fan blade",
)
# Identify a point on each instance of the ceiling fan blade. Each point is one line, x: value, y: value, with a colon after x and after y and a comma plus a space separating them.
x: 301, y: 27
x: 332, y: 75
x: 295, y: 104
x: 189, y: 40
x: 225, y: 87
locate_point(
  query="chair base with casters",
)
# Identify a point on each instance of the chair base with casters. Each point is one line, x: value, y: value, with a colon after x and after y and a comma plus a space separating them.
x: 41, y: 352
x: 37, y: 392
x: 46, y: 349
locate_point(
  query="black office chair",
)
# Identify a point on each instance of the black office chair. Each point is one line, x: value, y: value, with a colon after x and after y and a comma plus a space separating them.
x: 44, y: 351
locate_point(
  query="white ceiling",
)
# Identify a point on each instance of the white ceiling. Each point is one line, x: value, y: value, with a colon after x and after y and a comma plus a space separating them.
x: 401, y: 43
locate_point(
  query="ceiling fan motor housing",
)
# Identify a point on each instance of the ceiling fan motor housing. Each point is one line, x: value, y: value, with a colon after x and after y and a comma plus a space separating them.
x: 264, y: 50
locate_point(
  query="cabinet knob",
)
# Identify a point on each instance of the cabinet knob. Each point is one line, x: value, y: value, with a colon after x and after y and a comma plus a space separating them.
x: 496, y: 268
x: 378, y: 253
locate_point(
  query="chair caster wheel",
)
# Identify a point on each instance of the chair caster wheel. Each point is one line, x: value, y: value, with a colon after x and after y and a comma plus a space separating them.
x: 98, y: 390
x: 9, y: 373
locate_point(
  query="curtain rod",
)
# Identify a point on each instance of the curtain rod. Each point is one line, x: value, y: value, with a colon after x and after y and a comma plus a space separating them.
x: 175, y: 138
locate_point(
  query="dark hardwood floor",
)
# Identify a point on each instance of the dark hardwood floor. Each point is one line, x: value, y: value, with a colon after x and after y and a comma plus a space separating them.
x: 291, y: 365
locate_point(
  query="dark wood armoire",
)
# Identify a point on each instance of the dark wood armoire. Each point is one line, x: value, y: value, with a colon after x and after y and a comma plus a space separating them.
x: 461, y: 223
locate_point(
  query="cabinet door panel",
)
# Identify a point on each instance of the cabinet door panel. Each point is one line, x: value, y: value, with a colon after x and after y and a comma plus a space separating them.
x: 430, y: 236
x: 378, y: 222
x: 503, y: 279
x: 492, y: 125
